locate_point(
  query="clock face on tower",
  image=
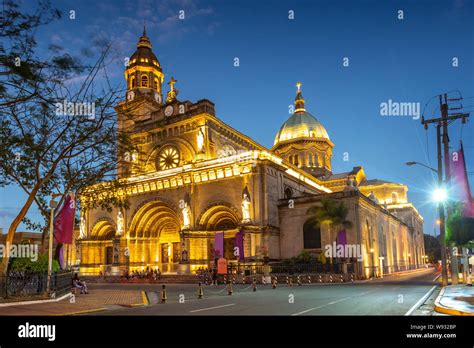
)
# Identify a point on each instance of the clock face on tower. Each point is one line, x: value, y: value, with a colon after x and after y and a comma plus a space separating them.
x: 130, y: 95
x: 169, y: 111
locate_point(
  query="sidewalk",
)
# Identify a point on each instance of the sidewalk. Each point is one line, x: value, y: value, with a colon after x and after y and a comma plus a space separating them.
x: 97, y: 300
x: 456, y: 300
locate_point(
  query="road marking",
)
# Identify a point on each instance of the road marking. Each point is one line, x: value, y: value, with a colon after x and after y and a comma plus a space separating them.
x: 421, y: 300
x: 209, y: 308
x: 363, y: 293
x: 324, y: 305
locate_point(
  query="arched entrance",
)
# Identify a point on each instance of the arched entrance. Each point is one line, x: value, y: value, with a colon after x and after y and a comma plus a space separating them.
x: 154, y: 237
x: 170, y: 248
x: 221, y: 217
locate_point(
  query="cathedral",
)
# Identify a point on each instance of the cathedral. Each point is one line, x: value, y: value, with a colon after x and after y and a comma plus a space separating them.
x: 199, y: 190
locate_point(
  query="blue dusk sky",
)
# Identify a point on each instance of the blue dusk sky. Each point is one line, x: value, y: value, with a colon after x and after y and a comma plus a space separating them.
x: 403, y: 60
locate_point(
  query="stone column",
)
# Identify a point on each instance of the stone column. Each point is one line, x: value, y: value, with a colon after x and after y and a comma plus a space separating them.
x: 123, y: 256
x: 184, y: 266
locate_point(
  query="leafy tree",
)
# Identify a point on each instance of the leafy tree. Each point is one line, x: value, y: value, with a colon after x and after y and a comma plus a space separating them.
x: 58, y: 127
x: 432, y: 248
x: 459, y: 229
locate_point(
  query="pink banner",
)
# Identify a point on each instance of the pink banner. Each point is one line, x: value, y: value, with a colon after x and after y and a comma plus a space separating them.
x: 239, y: 244
x: 460, y: 182
x: 219, y: 245
x: 341, y: 238
x: 64, y: 221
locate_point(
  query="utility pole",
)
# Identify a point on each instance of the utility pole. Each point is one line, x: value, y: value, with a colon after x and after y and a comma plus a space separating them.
x: 443, y: 107
x: 443, y: 122
x: 442, y: 219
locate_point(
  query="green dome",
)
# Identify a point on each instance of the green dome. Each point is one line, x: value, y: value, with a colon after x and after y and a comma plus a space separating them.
x: 301, y: 125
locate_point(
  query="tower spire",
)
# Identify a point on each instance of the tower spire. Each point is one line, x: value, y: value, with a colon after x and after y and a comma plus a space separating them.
x: 299, y: 100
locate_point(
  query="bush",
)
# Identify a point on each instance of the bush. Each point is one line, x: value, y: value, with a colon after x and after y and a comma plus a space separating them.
x: 322, y: 258
x: 26, y: 264
x: 304, y: 257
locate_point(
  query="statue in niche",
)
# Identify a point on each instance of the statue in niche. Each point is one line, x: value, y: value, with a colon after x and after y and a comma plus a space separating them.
x: 200, y: 139
x: 120, y: 223
x: 186, y: 211
x: 246, y: 205
x: 82, y: 227
x: 186, y: 215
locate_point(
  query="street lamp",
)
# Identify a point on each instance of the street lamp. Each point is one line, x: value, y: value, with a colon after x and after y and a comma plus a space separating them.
x: 409, y: 261
x: 439, y: 194
x: 421, y: 164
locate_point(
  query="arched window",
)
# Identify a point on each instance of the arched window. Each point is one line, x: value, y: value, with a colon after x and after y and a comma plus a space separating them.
x: 132, y: 82
x: 296, y: 160
x: 156, y: 84
x: 394, y: 197
x: 288, y: 193
x: 310, y: 162
x: 370, y: 236
x: 144, y: 81
x: 225, y: 224
x: 311, y: 236
x: 290, y: 159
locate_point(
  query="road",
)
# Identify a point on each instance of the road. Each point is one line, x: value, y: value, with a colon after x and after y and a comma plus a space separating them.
x: 400, y: 295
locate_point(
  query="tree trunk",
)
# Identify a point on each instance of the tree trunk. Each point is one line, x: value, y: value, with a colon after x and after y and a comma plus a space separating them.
x: 15, y: 223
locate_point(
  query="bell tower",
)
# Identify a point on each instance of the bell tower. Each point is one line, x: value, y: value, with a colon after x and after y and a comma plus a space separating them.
x: 143, y: 74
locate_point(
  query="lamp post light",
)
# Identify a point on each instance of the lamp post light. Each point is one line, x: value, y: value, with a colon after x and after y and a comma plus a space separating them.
x: 409, y: 261
x: 440, y: 195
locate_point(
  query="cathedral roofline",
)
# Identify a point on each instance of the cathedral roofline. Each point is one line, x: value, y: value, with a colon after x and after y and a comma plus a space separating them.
x: 312, y: 198
x: 378, y: 182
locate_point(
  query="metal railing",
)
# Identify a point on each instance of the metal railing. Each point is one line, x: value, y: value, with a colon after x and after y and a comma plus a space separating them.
x: 34, y: 284
x: 282, y: 268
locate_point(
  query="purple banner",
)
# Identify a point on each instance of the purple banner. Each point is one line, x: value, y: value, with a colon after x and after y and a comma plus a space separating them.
x: 341, y: 238
x: 64, y: 221
x: 239, y: 244
x: 219, y: 245
x: 460, y: 182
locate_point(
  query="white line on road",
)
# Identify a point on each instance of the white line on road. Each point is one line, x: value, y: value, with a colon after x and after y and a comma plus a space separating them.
x: 324, y: 305
x: 439, y: 275
x: 209, y: 308
x: 421, y: 300
x: 366, y: 292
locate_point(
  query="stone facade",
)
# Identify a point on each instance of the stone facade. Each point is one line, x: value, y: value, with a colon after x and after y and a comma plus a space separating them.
x: 192, y: 176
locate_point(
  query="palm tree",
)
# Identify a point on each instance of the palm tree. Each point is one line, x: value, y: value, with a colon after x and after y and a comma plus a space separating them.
x: 330, y: 213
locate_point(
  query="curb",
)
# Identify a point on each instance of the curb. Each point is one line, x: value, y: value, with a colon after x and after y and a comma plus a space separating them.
x: 438, y: 307
x: 145, y: 299
x: 82, y: 312
x: 143, y: 304
x: 25, y: 303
